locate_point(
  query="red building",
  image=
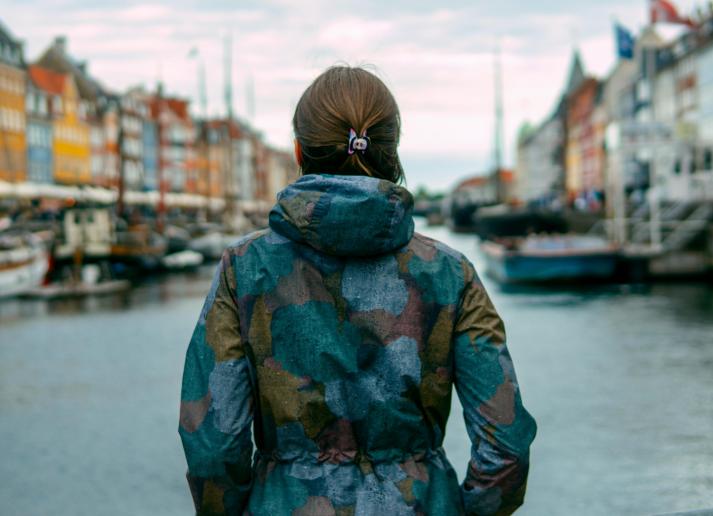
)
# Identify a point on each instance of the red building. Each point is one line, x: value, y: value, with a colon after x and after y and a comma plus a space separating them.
x: 176, y: 136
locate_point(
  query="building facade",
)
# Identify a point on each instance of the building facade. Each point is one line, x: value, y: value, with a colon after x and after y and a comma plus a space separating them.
x: 70, y: 130
x: 13, y: 145
x: 176, y: 137
x: 584, y: 149
x: 540, y: 164
x: 133, y: 111
x: 39, y: 133
x: 149, y: 135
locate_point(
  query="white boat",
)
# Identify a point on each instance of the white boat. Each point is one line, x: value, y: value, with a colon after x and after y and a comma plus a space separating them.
x: 182, y: 260
x: 23, y: 263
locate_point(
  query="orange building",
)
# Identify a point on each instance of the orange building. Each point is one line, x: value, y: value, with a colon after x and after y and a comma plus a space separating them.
x: 13, y: 146
x: 70, y: 143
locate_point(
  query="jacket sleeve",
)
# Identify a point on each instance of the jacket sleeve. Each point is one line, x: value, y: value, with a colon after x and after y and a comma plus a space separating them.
x: 499, y: 427
x: 217, y: 403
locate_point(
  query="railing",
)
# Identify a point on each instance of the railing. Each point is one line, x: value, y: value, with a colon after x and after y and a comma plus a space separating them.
x: 687, y: 229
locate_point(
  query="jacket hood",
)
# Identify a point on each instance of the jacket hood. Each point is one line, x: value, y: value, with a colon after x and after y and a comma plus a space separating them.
x: 344, y: 215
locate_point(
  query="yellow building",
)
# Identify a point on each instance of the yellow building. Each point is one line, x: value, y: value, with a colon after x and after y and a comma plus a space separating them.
x: 70, y: 129
x: 13, y: 150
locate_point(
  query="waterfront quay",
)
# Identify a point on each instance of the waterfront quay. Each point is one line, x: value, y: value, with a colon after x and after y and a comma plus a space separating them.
x: 618, y: 378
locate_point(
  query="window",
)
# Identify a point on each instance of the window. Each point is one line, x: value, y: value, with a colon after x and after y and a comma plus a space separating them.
x: 708, y: 160
x: 42, y: 105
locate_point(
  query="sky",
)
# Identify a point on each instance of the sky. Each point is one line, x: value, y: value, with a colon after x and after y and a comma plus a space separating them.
x: 436, y: 57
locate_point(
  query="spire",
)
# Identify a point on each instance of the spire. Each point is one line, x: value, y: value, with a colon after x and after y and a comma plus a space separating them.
x: 576, y: 73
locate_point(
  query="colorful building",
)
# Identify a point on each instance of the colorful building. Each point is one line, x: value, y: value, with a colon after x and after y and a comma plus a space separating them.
x: 215, y: 149
x: 176, y: 136
x: 13, y: 150
x: 70, y: 130
x: 98, y: 111
x: 134, y: 110
x: 39, y: 133
x: 149, y: 136
x: 109, y: 177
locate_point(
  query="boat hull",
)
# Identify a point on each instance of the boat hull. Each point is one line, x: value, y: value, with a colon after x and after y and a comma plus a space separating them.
x: 20, y: 278
x: 515, y: 267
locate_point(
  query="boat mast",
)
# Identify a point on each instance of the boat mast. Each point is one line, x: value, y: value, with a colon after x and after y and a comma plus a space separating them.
x: 160, y: 137
x: 250, y: 98
x: 498, y: 123
x: 230, y: 173
x: 228, y: 62
x: 203, y: 99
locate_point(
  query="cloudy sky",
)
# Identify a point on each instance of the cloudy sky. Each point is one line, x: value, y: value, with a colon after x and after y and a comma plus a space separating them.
x: 437, y: 58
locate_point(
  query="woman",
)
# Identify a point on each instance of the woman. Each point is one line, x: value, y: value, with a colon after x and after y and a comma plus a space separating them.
x: 338, y: 334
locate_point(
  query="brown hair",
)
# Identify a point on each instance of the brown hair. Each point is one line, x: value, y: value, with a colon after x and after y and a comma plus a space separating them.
x: 340, y: 99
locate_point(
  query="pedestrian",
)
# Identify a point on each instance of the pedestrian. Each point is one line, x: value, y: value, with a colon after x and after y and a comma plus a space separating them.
x: 333, y: 339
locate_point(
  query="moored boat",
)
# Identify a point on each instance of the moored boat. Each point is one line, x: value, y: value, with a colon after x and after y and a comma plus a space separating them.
x: 23, y: 263
x: 182, y: 260
x: 544, y: 259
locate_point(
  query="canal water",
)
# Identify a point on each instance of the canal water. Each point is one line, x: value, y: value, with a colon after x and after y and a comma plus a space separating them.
x: 620, y: 380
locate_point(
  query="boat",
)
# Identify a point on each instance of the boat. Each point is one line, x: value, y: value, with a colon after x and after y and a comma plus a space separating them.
x: 210, y: 240
x: 24, y: 262
x: 139, y: 247
x: 88, y: 231
x: 504, y: 221
x: 550, y: 259
x: 182, y: 260
x: 177, y: 239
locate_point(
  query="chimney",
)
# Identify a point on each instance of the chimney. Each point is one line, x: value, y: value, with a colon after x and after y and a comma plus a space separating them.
x: 60, y: 43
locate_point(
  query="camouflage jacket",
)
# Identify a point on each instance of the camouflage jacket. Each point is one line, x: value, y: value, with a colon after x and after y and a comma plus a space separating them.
x: 332, y: 340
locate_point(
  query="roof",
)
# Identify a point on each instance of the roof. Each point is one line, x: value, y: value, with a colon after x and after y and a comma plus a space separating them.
x: 55, y: 58
x: 507, y: 175
x: 5, y: 36
x: 178, y: 106
x: 8, y: 39
x: 576, y: 73
x: 237, y: 130
x: 472, y: 182
x: 47, y: 80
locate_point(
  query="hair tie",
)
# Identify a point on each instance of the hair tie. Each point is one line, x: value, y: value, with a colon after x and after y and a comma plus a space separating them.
x: 357, y: 144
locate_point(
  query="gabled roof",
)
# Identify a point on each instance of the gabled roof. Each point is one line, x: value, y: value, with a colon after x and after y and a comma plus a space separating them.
x: 56, y: 59
x: 47, y: 80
